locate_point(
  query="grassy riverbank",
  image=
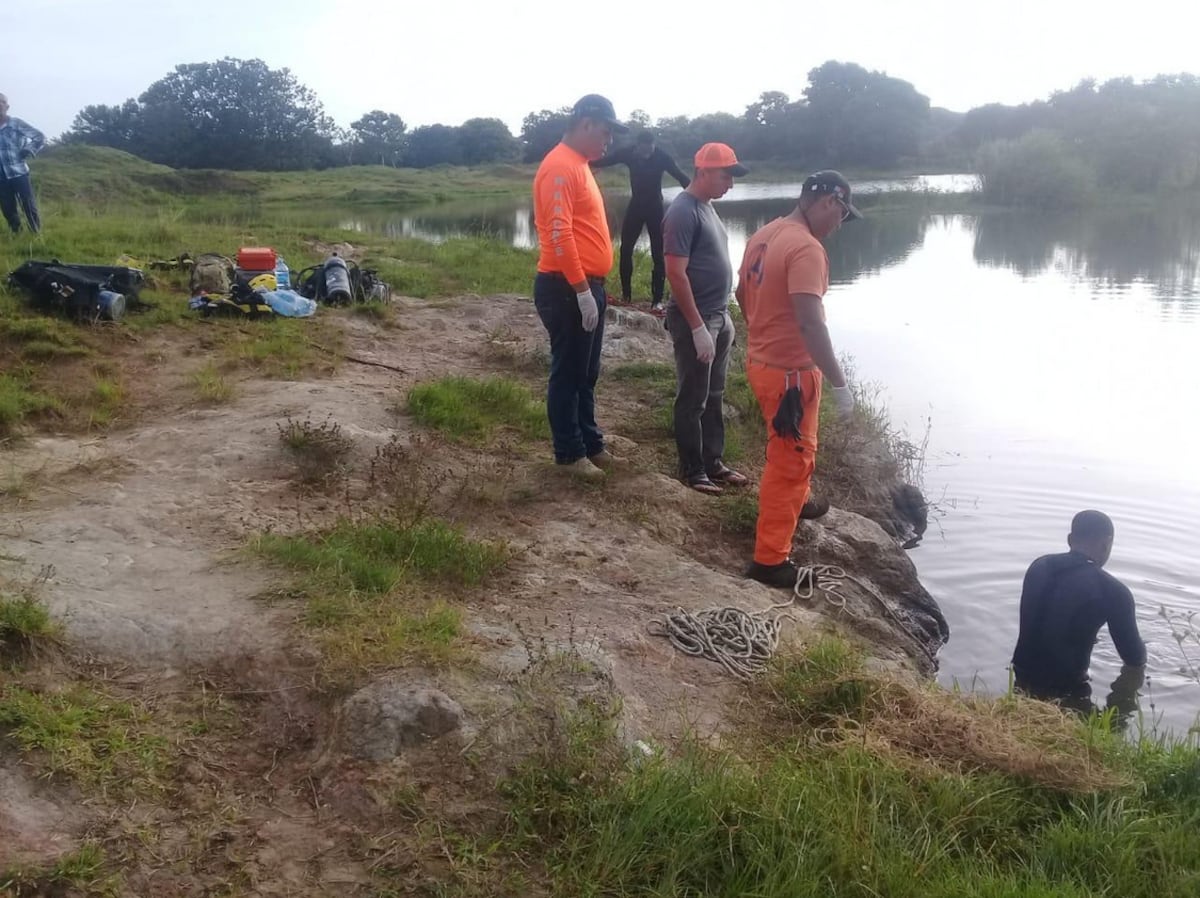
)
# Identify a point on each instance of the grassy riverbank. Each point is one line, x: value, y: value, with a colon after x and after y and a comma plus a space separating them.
x: 825, y: 778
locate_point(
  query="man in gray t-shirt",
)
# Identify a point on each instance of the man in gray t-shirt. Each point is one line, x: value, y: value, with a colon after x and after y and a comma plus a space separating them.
x: 701, y: 279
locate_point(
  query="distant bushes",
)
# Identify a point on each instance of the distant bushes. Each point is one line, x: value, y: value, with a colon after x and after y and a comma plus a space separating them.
x: 1038, y: 170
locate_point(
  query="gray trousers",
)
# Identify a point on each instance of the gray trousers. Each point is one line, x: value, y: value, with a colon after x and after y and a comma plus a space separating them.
x: 700, y: 393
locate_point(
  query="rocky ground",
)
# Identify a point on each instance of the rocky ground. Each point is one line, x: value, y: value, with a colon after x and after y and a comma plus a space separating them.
x: 284, y: 778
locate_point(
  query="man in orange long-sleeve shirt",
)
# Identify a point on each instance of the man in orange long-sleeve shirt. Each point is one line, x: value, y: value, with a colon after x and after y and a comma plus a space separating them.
x: 575, y: 256
x: 782, y: 283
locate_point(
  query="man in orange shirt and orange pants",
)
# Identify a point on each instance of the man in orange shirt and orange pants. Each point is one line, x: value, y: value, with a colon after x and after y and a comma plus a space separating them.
x: 782, y: 282
x: 575, y: 256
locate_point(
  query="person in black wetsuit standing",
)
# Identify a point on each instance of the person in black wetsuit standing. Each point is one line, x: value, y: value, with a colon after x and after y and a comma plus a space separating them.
x: 647, y: 163
x: 1065, y: 601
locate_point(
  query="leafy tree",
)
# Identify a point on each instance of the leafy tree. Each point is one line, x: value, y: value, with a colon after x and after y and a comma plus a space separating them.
x: 639, y: 120
x: 434, y: 145
x: 378, y: 138
x: 106, y: 126
x: 487, y: 140
x: 540, y: 131
x: 765, y: 121
x: 1037, y: 170
x: 863, y: 117
x: 236, y: 114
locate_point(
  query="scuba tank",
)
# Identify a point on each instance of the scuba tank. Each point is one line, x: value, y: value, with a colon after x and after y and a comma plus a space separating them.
x: 111, y: 305
x: 337, y: 281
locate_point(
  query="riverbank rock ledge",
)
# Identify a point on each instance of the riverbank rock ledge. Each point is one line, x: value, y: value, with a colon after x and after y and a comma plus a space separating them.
x: 882, y: 574
x: 386, y: 717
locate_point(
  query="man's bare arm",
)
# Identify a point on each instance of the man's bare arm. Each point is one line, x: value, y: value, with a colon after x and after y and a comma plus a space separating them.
x: 681, y: 289
x: 809, y: 312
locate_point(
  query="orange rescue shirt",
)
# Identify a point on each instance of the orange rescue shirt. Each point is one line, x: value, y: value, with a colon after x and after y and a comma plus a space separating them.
x: 569, y: 211
x: 783, y: 258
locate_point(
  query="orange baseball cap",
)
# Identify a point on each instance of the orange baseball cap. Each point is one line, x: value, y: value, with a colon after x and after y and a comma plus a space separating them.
x: 720, y: 155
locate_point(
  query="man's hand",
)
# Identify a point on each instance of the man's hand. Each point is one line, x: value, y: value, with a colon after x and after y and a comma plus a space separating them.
x: 706, y: 349
x: 843, y: 401
x: 588, y: 309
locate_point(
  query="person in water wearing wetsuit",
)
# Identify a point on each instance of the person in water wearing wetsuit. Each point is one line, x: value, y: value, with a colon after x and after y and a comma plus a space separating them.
x: 1065, y: 601
x: 647, y: 163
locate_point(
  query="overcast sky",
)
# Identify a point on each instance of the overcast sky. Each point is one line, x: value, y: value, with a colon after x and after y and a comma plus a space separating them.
x: 449, y: 60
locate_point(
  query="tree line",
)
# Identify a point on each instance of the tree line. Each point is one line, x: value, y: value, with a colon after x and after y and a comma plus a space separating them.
x: 241, y: 114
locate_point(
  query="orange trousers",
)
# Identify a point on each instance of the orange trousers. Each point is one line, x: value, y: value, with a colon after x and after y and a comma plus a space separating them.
x: 787, y: 478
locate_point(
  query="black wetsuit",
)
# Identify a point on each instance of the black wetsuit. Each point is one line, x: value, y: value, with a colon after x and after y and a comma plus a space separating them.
x: 1065, y: 601
x: 645, y: 210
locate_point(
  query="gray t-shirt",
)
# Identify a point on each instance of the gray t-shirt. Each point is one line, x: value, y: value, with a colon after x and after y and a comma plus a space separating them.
x: 692, y: 228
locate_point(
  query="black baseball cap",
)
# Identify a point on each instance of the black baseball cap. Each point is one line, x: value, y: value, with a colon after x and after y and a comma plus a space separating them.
x: 830, y: 181
x: 600, y: 108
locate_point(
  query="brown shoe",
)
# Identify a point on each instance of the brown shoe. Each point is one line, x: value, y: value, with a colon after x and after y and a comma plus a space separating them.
x: 605, y: 459
x: 584, y: 469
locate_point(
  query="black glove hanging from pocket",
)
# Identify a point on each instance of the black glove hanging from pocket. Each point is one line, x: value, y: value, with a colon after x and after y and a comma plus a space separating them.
x: 791, y: 409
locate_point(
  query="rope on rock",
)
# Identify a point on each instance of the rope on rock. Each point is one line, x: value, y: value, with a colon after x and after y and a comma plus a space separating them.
x: 741, y: 641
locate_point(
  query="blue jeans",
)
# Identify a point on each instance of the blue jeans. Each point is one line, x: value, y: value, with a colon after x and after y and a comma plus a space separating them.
x: 14, y: 191
x: 574, y: 367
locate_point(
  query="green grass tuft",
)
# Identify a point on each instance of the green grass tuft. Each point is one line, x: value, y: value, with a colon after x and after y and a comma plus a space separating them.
x: 24, y: 623
x: 212, y: 386
x: 88, y: 736
x: 78, y: 872
x: 786, y: 815
x: 18, y: 401
x: 371, y: 589
x: 464, y: 408
x: 376, y: 557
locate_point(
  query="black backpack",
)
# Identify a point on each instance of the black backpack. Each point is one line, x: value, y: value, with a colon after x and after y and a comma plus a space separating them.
x: 83, y: 292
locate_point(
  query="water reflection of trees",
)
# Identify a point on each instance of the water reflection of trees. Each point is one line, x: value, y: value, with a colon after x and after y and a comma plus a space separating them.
x: 1113, y: 247
x: 866, y: 247
x: 874, y: 243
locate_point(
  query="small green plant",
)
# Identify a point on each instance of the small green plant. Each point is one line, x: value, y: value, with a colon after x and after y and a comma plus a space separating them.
x: 659, y: 375
x: 359, y: 632
x: 80, y: 871
x: 25, y: 623
x: 737, y: 512
x: 272, y: 348
x: 105, y: 402
x: 382, y: 313
x: 824, y: 683
x: 464, y: 408
x: 88, y: 736
x: 19, y: 400
x: 376, y: 556
x: 211, y: 385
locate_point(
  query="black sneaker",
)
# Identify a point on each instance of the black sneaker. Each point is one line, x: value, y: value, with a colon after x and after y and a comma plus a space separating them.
x: 815, y: 507
x: 783, y: 575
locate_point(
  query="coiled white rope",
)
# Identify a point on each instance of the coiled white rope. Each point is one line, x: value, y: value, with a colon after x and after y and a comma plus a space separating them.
x: 741, y: 641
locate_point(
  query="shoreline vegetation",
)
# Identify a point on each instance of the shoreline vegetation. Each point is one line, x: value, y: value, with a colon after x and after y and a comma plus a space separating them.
x: 838, y: 781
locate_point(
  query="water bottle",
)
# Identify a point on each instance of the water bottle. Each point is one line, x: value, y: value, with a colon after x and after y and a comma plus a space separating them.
x: 283, y: 275
x: 289, y: 304
x: 337, y: 281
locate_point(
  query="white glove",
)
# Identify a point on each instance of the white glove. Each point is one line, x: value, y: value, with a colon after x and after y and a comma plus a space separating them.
x: 588, y: 309
x: 843, y: 401
x: 706, y: 349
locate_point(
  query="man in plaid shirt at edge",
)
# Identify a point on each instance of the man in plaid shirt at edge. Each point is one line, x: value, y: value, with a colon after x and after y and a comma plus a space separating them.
x: 18, y: 141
